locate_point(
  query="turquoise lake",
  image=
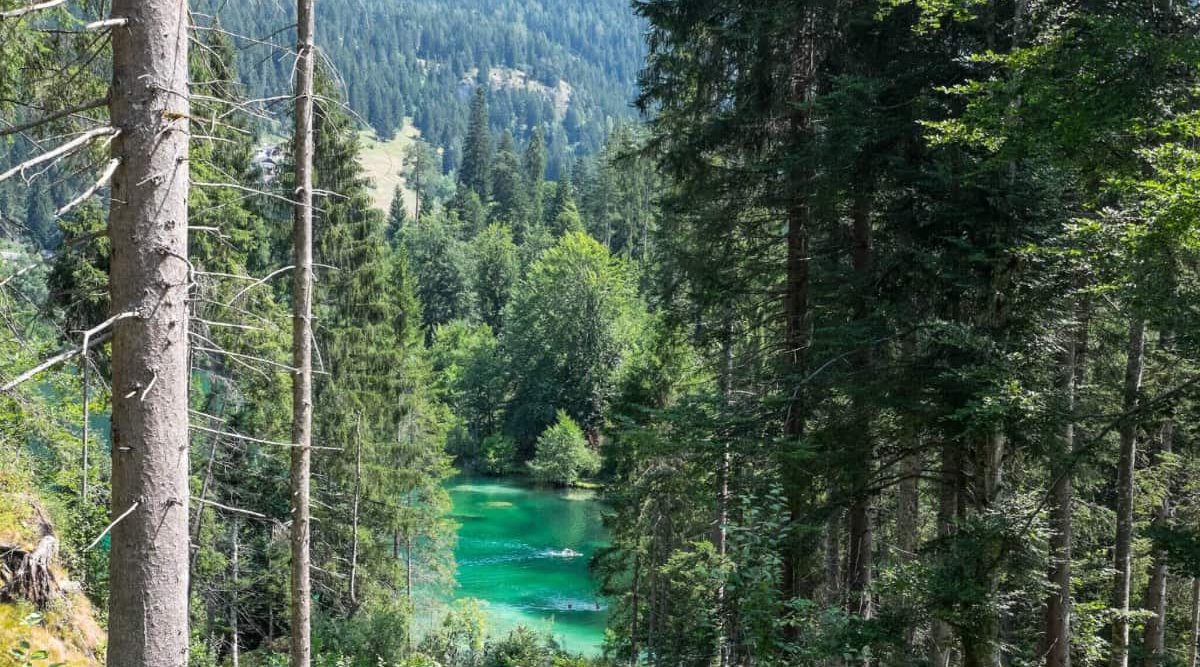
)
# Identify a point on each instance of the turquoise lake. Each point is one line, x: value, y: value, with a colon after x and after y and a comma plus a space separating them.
x: 524, y: 552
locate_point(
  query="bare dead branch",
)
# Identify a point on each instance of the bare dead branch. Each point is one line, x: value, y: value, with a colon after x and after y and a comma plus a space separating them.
x: 266, y: 278
x: 235, y: 186
x: 62, y: 150
x: 238, y: 355
x: 111, y: 525
x: 86, y: 106
x: 106, y: 23
x: 238, y: 436
x: 227, y: 508
x: 29, y: 9
x: 65, y: 355
x: 228, y: 325
x: 101, y: 182
x: 74, y: 243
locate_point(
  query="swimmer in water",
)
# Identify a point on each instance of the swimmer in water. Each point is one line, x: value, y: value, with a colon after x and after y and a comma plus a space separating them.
x: 570, y: 605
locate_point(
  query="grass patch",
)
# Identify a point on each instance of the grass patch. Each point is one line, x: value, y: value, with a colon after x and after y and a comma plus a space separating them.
x: 383, y: 162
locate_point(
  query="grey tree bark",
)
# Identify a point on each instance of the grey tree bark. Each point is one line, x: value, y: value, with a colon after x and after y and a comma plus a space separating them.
x: 150, y: 274
x: 721, y: 522
x: 1123, y: 550
x: 301, y: 469
x: 235, y: 650
x: 942, y: 646
x: 1195, y: 634
x: 860, y: 549
x: 1154, y: 637
x: 354, y: 518
x: 1057, y: 626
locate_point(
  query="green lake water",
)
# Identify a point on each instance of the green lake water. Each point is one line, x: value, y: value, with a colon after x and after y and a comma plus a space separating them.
x: 524, y: 552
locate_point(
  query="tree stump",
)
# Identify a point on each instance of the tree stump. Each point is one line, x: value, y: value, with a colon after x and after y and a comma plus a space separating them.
x: 28, y: 575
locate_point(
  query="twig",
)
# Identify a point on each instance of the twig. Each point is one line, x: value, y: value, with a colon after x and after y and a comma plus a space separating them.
x: 110, y: 526
x: 230, y: 325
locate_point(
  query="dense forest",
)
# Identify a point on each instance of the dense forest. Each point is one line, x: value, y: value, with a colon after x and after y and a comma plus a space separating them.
x: 568, y: 66
x: 873, y: 327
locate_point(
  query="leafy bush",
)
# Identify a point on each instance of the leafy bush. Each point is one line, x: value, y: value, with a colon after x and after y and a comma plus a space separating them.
x: 496, y: 454
x: 562, y: 454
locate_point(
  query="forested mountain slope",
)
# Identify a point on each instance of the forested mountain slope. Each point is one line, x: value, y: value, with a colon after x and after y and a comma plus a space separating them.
x: 570, y: 65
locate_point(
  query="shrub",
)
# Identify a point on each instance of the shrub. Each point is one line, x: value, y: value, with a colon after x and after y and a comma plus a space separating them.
x: 562, y: 455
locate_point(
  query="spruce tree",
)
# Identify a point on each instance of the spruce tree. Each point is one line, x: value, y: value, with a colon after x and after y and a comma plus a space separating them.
x: 510, y: 193
x: 476, y: 171
x: 534, y: 163
x: 397, y: 218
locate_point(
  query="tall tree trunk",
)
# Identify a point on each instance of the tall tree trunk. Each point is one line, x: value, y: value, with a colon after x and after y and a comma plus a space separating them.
x: 633, y: 622
x: 796, y: 343
x: 1194, y: 644
x: 84, y: 439
x: 150, y: 274
x: 354, y: 518
x: 908, y: 515
x: 1057, y: 628
x: 302, y: 340
x: 721, y: 524
x: 908, y: 511
x: 796, y: 302
x: 235, y: 601
x: 860, y: 549
x: 1126, y: 466
x: 408, y: 587
x: 832, y: 553
x: 198, y: 522
x: 1154, y: 641
x: 942, y: 646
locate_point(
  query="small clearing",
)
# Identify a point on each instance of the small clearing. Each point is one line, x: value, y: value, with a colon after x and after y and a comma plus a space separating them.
x: 384, y: 164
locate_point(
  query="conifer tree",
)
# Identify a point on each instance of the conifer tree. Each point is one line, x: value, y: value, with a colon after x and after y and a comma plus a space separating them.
x: 475, y: 173
x: 534, y: 163
x: 510, y: 192
x: 397, y: 218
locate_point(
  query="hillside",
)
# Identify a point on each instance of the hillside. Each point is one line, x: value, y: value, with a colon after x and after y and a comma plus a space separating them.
x: 567, y: 65
x: 65, y: 632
